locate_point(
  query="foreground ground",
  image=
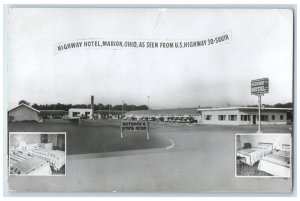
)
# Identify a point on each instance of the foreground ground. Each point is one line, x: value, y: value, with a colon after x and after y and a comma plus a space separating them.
x: 177, y: 158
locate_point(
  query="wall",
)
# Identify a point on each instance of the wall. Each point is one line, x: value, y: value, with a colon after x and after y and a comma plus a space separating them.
x: 254, y: 139
x: 24, y: 113
x: 52, y: 138
x: 269, y: 113
x: 215, y: 113
x: 215, y: 120
x: 81, y: 112
x: 15, y: 139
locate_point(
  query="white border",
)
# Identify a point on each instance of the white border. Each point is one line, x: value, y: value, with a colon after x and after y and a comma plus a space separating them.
x: 38, y: 133
x: 231, y: 196
x: 263, y: 134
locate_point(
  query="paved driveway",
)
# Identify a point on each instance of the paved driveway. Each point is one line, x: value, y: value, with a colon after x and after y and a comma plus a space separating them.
x: 201, y: 160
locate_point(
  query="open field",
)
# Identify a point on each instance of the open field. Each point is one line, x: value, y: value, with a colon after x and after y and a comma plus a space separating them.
x: 202, y: 159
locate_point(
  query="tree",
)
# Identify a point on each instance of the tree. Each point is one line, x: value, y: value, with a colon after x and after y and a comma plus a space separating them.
x: 117, y: 107
x: 284, y: 105
x: 142, y: 107
x: 35, y: 106
x: 24, y: 102
x: 100, y: 106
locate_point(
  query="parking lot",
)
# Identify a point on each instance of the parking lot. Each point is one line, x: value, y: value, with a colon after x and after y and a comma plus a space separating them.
x: 177, y: 158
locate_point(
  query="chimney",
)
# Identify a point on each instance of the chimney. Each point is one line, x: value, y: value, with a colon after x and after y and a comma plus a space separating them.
x: 92, y: 104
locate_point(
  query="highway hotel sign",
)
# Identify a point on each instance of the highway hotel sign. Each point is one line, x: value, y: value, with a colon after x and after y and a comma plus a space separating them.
x: 260, y: 86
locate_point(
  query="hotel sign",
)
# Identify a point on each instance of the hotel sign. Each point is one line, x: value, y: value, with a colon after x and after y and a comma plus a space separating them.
x: 260, y: 86
x: 135, y: 126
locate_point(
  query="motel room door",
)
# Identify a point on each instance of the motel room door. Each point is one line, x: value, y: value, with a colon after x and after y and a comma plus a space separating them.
x: 254, y: 119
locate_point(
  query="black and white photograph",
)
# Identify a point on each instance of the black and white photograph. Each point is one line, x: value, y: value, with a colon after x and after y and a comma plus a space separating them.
x: 150, y: 98
x: 37, y: 154
x: 263, y: 155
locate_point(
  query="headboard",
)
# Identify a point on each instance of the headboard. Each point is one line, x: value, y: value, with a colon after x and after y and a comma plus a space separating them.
x: 286, y: 147
x: 265, y: 145
x: 32, y: 146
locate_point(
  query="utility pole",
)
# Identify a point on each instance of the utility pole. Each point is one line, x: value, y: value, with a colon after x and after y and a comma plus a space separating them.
x: 148, y: 107
x: 122, y: 109
x: 109, y: 111
x: 122, y: 119
x: 148, y: 118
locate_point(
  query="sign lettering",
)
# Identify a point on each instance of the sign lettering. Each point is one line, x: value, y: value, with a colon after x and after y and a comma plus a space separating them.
x: 260, y: 86
x: 135, y: 126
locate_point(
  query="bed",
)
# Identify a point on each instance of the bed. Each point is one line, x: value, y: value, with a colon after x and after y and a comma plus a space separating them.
x: 278, y: 163
x: 32, y: 166
x: 254, y: 154
x: 55, y: 158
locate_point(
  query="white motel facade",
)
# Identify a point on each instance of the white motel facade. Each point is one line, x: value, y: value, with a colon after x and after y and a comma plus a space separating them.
x: 220, y: 116
x: 244, y: 116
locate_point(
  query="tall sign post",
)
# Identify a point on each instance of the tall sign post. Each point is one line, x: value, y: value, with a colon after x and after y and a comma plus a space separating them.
x: 259, y: 87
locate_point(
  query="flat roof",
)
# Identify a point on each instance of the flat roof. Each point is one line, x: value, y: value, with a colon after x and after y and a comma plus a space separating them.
x: 53, y: 112
x: 80, y: 109
x: 242, y: 108
x: 178, y: 111
x: 112, y: 112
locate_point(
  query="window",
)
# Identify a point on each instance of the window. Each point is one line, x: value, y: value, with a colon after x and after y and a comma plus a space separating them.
x: 245, y: 117
x: 207, y: 117
x: 222, y: 117
x: 273, y: 117
x: 264, y: 117
x: 281, y: 117
x: 75, y: 114
x: 232, y: 117
x: 289, y: 116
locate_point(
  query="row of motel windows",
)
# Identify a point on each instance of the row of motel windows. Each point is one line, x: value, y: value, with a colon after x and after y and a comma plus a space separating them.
x: 243, y: 117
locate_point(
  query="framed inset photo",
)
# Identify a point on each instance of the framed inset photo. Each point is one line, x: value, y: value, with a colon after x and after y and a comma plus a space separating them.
x: 37, y: 154
x: 263, y: 155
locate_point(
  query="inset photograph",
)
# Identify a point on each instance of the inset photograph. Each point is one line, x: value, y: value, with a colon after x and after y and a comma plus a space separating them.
x: 263, y: 155
x: 37, y: 154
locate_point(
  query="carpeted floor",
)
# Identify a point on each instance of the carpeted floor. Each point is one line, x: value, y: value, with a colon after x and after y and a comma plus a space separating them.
x: 247, y: 170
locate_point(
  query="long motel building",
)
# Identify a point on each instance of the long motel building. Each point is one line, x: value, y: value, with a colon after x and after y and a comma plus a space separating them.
x: 217, y: 116
x: 166, y: 115
x: 244, y: 116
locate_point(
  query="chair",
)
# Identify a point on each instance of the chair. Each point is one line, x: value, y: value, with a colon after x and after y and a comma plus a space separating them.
x: 247, y: 146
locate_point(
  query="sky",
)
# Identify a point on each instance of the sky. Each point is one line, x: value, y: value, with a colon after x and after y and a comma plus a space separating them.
x: 261, y: 46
